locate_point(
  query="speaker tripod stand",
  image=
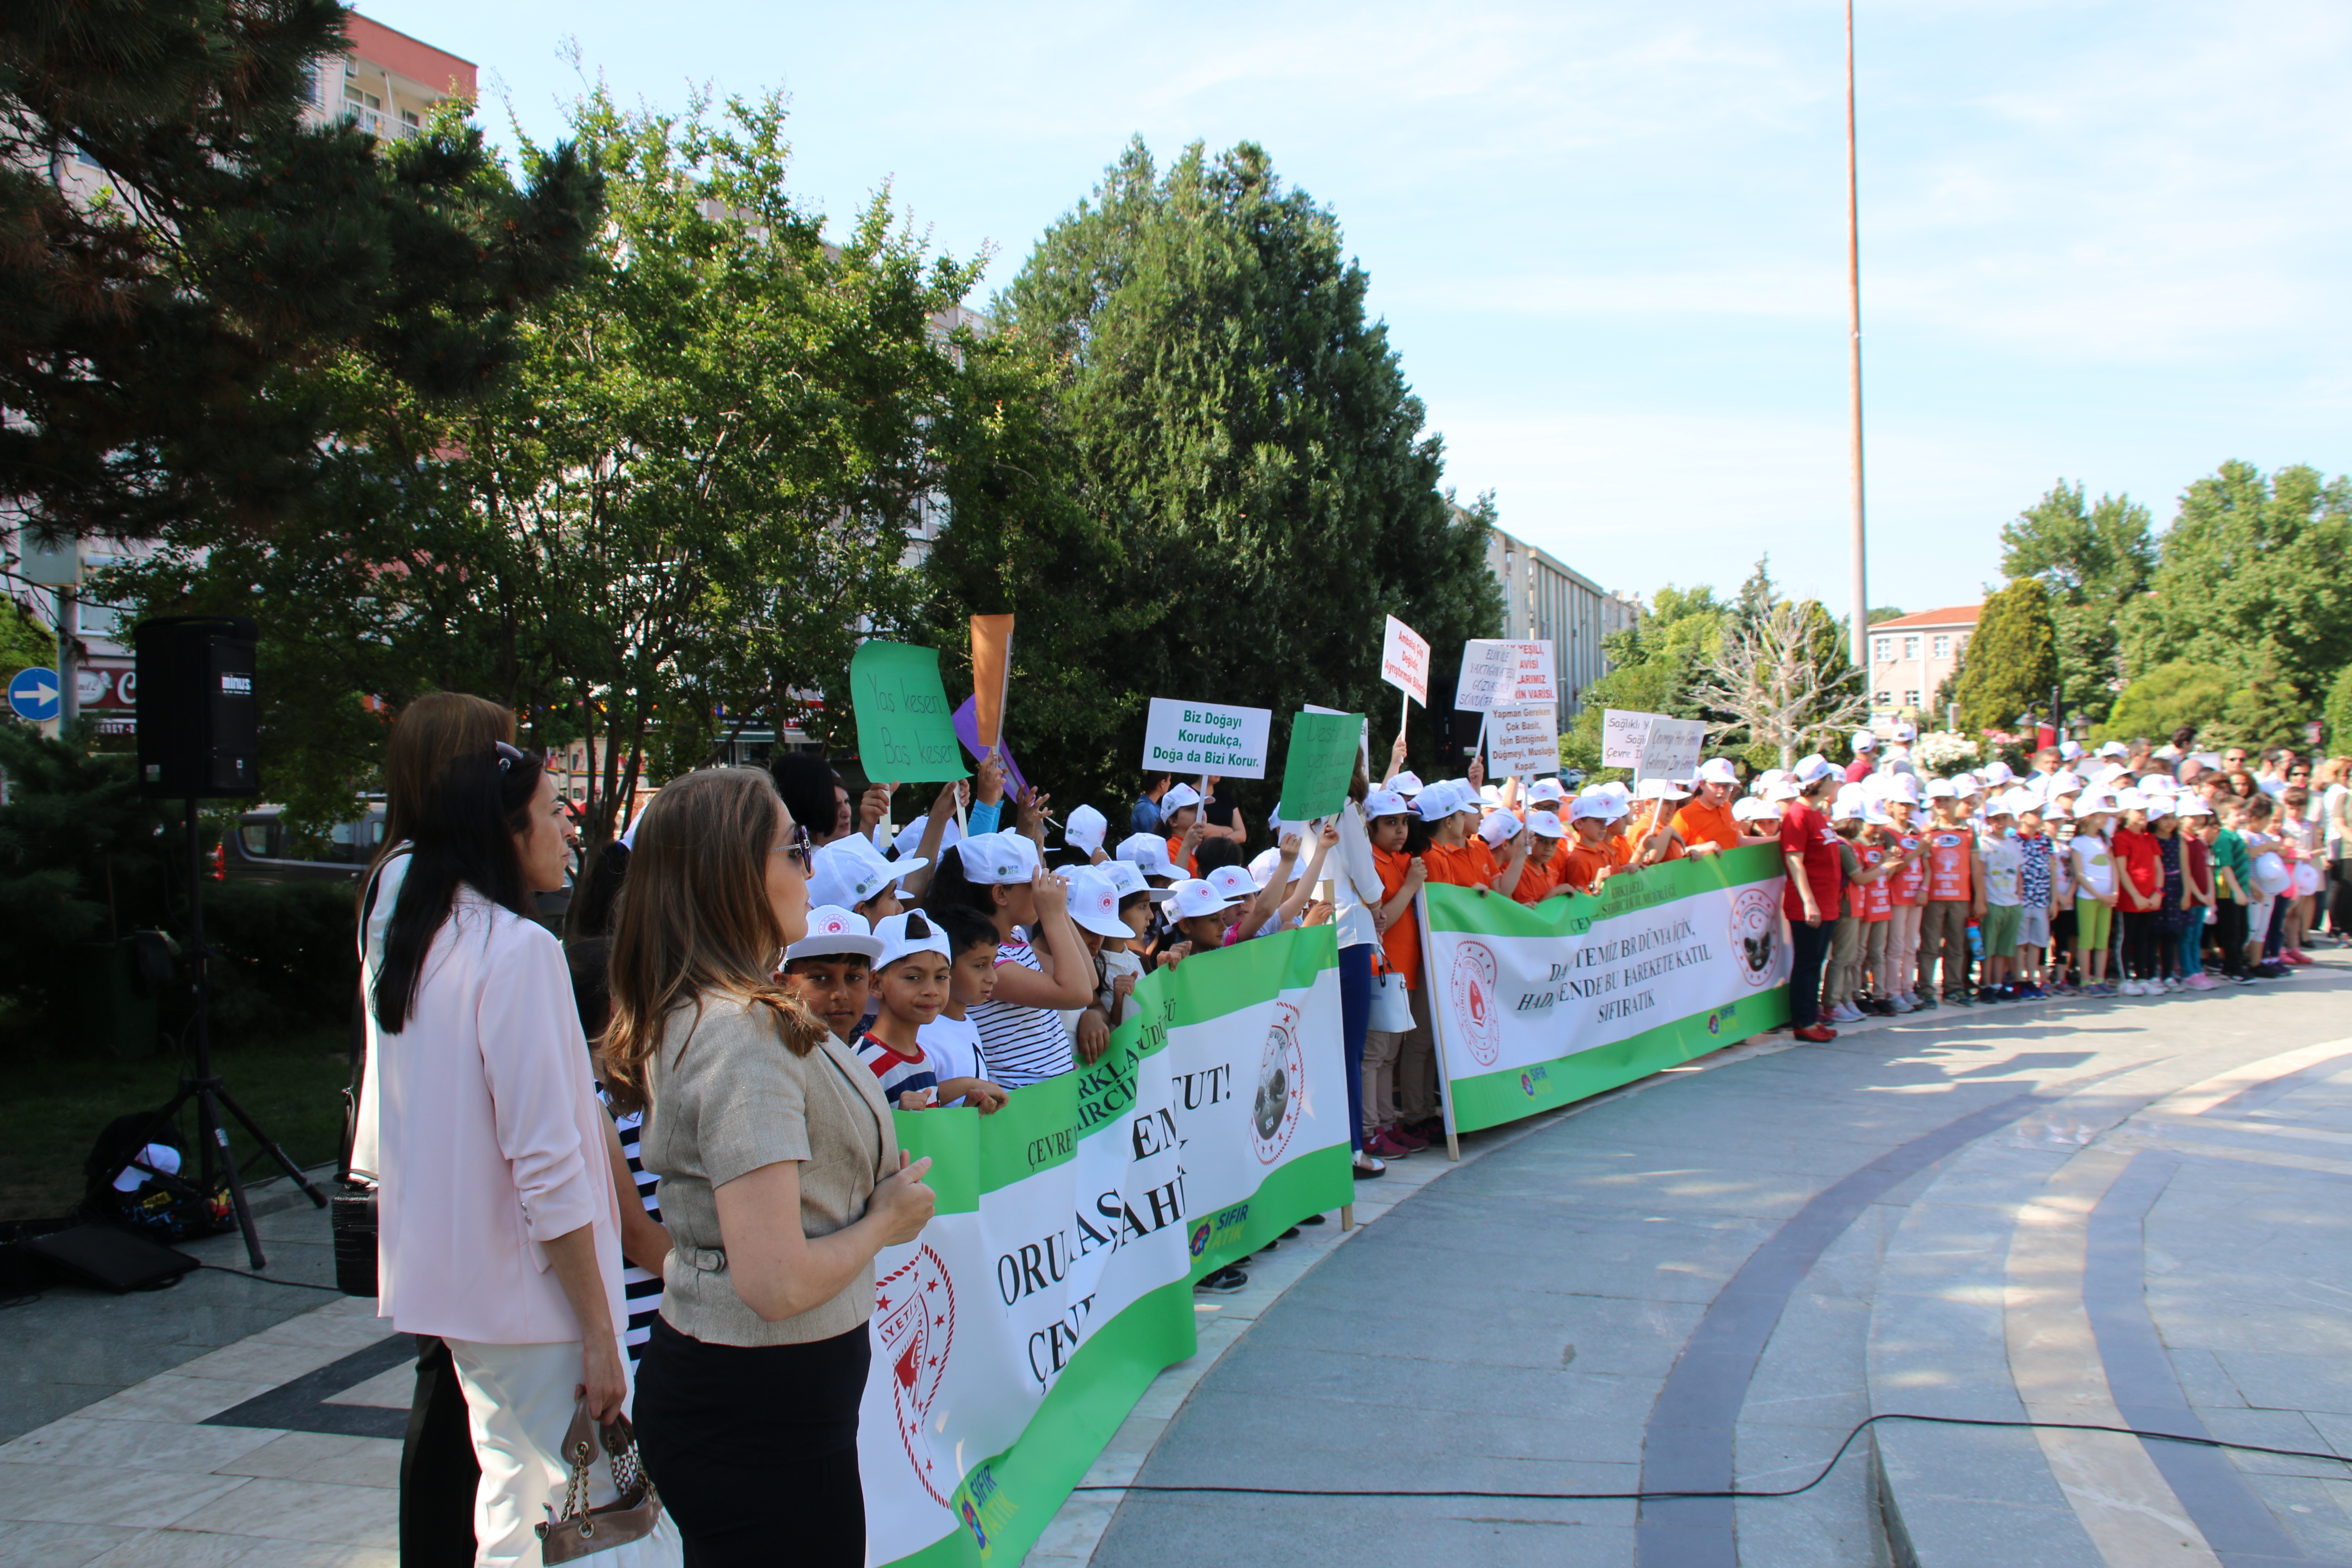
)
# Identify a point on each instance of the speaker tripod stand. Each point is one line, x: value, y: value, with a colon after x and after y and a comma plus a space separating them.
x: 209, y: 1090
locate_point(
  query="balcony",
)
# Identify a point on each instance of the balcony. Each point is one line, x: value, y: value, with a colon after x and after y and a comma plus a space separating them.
x: 377, y: 124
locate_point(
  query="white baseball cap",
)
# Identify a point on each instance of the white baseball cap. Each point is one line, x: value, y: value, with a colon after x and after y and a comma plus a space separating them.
x: 1194, y: 896
x: 2068, y: 751
x: 1546, y: 789
x: 1966, y: 785
x: 1407, y: 784
x: 1874, y: 814
x: 835, y: 932
x: 848, y: 871
x: 1942, y: 789
x: 1385, y: 803
x: 903, y: 936
x: 2054, y: 812
x: 1899, y: 786
x: 1126, y: 876
x: 1906, y: 731
x: 2158, y: 806
x: 2132, y: 800
x: 1748, y: 808
x: 1782, y: 789
x: 2115, y: 749
x: 998, y: 860
x: 1084, y: 829
x: 1546, y: 825
x: 1262, y: 868
x: 1599, y: 807
x: 1094, y: 903
x: 1995, y: 772
x: 1237, y: 881
x: 1812, y: 769
x: 2195, y: 807
x: 1178, y: 797
x: 1499, y: 828
x: 1845, y: 811
x: 1865, y: 740
x: 1765, y: 780
x: 1149, y: 852
x: 2063, y: 781
x: 910, y: 837
x: 1717, y: 770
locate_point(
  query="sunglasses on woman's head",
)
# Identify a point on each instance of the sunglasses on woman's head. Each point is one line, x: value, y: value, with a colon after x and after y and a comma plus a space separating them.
x: 797, y: 849
x: 507, y: 755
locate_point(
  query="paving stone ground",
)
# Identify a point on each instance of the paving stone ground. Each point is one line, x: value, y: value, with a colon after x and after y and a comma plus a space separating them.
x: 2135, y: 1208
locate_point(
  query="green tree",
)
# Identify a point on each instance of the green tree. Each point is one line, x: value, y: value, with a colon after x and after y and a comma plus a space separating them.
x: 2011, y: 660
x: 2339, y: 712
x: 1653, y: 667
x: 2093, y: 559
x: 2251, y: 578
x: 667, y: 520
x: 1246, y: 485
x: 23, y: 641
x: 156, y: 344
x: 2162, y: 698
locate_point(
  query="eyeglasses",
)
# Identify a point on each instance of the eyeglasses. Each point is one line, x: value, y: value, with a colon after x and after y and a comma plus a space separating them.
x: 798, y: 849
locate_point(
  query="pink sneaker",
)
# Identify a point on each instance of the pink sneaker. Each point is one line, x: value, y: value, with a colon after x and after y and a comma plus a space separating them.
x: 2297, y: 957
x: 2199, y: 983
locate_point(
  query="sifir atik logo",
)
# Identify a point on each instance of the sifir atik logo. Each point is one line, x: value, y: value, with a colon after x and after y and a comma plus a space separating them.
x: 914, y: 1322
x: 1281, y: 1086
x: 1475, y: 976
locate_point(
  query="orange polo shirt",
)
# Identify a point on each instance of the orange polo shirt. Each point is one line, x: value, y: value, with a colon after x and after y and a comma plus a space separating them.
x: 1401, y: 943
x: 1579, y: 866
x: 1536, y: 880
x: 1700, y: 822
x: 1463, y: 866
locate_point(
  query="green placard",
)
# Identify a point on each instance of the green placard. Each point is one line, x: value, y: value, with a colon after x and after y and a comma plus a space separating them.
x: 1322, y: 760
x: 906, y: 729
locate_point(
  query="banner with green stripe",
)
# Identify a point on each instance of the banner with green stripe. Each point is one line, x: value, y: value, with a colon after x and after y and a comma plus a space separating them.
x: 1011, y: 1338
x: 1538, y: 1006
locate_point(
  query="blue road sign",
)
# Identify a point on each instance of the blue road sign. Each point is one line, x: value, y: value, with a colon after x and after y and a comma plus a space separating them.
x: 34, y: 694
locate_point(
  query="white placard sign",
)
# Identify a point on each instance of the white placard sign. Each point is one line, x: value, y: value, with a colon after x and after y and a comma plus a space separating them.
x: 1623, y: 732
x: 1405, y: 660
x: 1522, y: 741
x: 1190, y: 738
x: 1672, y: 748
x: 1533, y: 679
x: 1488, y: 669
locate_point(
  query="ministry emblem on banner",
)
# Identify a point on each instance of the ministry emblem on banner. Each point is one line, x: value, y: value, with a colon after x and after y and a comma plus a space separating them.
x: 914, y: 1323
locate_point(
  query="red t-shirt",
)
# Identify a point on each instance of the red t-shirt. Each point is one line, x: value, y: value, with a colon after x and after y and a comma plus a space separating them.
x: 2140, y: 857
x: 1807, y: 832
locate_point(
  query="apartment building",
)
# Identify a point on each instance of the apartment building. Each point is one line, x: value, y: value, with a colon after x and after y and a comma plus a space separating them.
x: 1545, y: 601
x: 1911, y: 655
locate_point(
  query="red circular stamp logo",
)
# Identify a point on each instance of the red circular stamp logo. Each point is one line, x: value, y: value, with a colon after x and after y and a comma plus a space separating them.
x: 1755, y: 932
x: 914, y: 1326
x: 1281, y: 1086
x: 1475, y: 995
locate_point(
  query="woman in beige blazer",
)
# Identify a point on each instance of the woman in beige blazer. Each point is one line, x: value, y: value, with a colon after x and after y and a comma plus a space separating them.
x: 781, y: 1180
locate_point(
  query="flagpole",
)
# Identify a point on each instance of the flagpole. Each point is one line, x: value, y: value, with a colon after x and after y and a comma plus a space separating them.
x: 1853, y: 364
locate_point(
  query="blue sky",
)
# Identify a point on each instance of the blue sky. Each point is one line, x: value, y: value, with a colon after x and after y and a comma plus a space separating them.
x: 2102, y: 241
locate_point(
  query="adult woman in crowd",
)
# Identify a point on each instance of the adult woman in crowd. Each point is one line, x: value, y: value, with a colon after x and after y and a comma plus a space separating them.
x: 498, y: 1228
x: 439, y: 1474
x: 2243, y: 785
x: 781, y: 1180
x: 1809, y: 897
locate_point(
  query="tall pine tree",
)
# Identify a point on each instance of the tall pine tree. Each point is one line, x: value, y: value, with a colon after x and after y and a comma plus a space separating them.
x: 154, y: 342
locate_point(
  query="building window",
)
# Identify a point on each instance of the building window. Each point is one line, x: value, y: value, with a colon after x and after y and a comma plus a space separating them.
x: 1886, y: 649
x: 1943, y: 647
x: 1911, y: 699
x: 1881, y: 699
x: 1910, y: 647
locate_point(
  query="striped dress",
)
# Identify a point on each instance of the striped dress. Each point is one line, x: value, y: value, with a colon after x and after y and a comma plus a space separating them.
x: 643, y: 1291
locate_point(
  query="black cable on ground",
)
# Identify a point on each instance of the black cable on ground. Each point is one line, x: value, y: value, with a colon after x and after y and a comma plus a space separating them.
x: 269, y: 1279
x: 1792, y: 1492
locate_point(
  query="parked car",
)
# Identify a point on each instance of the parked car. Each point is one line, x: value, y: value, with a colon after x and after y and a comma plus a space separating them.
x: 264, y: 849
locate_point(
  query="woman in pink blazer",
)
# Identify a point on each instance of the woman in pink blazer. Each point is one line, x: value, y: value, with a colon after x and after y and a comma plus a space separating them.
x: 497, y: 1229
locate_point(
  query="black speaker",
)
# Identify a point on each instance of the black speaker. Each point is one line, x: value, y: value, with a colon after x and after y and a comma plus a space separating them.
x: 1462, y: 727
x: 199, y: 721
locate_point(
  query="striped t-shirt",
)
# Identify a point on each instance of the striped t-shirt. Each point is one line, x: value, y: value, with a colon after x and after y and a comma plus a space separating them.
x: 1020, y: 1045
x: 642, y: 1290
x: 894, y: 1074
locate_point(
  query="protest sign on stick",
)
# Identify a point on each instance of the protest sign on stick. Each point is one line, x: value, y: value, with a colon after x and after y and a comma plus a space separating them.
x: 992, y: 672
x: 1671, y: 750
x: 1623, y: 730
x: 1489, y: 670
x: 1533, y: 676
x: 1199, y: 738
x: 1522, y: 741
x: 1404, y: 664
x: 1321, y: 761
x: 905, y: 731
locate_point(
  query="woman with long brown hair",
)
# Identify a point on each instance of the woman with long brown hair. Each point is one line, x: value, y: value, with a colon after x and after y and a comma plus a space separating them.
x: 781, y: 1180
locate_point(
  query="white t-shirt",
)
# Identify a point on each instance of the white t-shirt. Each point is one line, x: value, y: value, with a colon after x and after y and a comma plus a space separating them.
x: 2004, y: 861
x: 2095, y: 870
x: 953, y: 1044
x: 2334, y: 807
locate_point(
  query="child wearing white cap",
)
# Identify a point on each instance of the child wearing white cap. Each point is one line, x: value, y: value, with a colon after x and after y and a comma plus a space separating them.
x: 1042, y: 965
x: 911, y: 978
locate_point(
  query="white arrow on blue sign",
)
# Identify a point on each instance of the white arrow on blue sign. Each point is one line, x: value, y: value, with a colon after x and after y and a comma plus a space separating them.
x: 34, y: 694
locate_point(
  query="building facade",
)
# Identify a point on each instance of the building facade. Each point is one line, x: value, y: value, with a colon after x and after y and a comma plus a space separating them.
x: 1545, y: 601
x: 1911, y: 655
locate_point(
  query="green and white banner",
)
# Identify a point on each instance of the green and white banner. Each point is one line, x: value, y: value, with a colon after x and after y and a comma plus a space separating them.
x: 1538, y: 1006
x: 1012, y: 1340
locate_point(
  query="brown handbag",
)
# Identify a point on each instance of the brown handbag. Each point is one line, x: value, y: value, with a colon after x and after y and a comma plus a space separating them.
x: 579, y: 1531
